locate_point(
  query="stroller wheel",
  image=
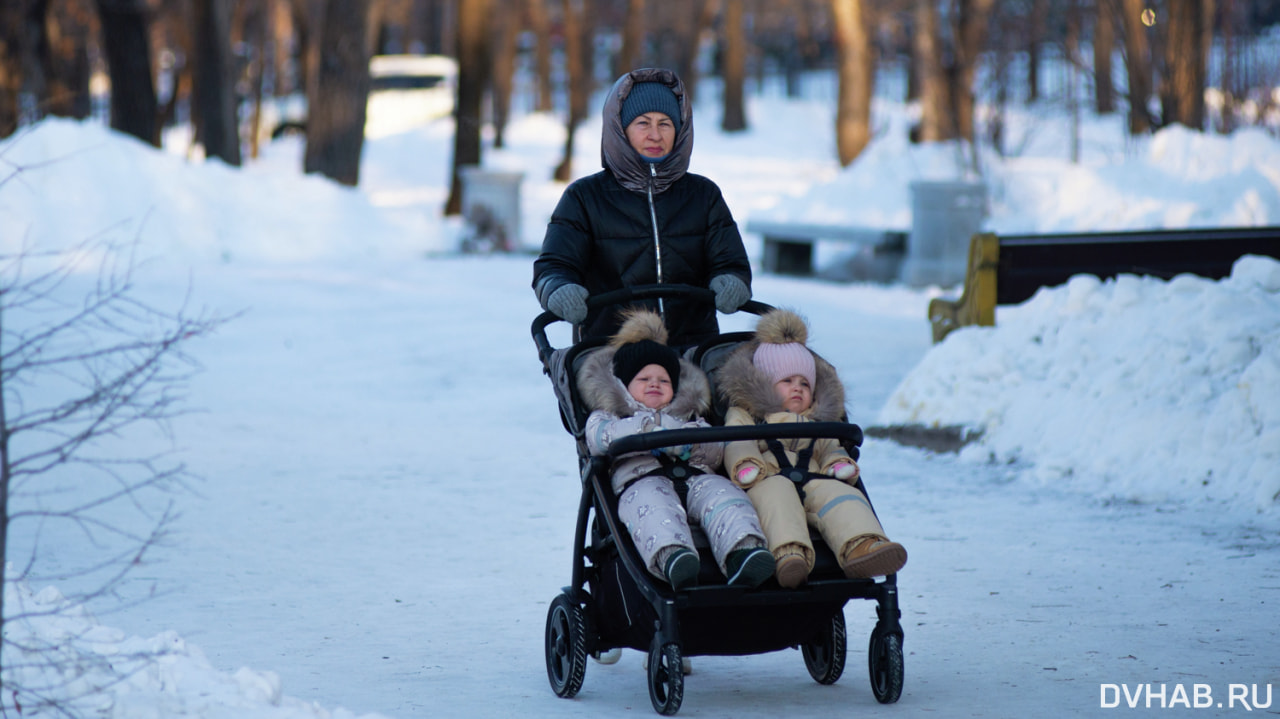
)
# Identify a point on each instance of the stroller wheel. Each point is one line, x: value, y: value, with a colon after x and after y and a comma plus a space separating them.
x: 566, y: 646
x: 666, y: 678
x: 885, y: 660
x: 824, y: 655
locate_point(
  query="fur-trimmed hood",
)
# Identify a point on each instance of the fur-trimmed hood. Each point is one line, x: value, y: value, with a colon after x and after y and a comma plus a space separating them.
x: 743, y: 385
x: 600, y: 389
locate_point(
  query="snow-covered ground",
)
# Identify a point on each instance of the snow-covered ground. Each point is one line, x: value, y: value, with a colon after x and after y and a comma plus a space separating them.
x: 388, y: 496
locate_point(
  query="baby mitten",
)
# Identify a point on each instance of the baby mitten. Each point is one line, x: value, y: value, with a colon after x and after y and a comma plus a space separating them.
x: 845, y: 470
x: 747, y: 475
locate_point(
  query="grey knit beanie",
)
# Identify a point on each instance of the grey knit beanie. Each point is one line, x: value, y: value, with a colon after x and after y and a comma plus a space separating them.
x: 650, y: 97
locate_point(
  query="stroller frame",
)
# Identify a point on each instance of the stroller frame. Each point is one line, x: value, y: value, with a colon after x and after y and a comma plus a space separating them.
x: 609, y: 577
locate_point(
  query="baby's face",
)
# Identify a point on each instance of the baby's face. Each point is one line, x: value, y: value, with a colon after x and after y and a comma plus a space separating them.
x: 651, y: 386
x: 795, y: 393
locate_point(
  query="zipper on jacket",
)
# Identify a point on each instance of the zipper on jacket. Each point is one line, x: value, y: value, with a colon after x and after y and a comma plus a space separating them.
x: 657, y: 244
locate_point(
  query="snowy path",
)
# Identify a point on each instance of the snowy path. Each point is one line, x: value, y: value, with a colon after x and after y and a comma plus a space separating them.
x: 360, y: 424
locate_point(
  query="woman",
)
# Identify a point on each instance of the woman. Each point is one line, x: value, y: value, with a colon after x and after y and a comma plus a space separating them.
x: 643, y: 219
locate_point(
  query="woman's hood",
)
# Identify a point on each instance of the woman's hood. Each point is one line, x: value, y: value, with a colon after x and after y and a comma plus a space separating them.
x: 620, y: 158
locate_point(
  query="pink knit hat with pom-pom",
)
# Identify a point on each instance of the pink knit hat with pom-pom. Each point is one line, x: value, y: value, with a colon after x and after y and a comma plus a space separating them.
x: 780, y: 361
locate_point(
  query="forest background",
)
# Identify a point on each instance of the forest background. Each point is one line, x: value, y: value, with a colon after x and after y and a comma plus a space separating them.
x: 143, y: 65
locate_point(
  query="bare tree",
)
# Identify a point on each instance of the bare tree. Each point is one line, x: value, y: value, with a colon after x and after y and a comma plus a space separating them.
x: 215, y: 80
x: 1137, y: 64
x: 968, y: 38
x: 857, y: 78
x: 473, y: 73
x: 62, y: 50
x: 1188, y: 34
x: 735, y: 67
x: 336, y: 104
x: 690, y: 21
x: 633, y: 38
x: 1104, y: 33
x: 1035, y: 41
x: 577, y: 31
x: 506, y: 36
x: 86, y: 368
x: 541, y: 27
x: 1072, y: 46
x: 936, y: 120
x: 128, y: 49
x: 11, y: 76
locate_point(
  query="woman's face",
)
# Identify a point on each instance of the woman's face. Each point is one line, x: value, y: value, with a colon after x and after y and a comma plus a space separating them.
x: 651, y: 386
x: 652, y: 134
x: 795, y: 393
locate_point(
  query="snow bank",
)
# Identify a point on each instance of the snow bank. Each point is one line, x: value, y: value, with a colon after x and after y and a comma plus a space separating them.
x: 1134, y: 387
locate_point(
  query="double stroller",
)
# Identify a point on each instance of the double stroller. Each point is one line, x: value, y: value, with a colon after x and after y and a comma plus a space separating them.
x: 614, y: 602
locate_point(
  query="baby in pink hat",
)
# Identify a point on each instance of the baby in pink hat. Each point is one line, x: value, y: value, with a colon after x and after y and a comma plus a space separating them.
x: 776, y: 378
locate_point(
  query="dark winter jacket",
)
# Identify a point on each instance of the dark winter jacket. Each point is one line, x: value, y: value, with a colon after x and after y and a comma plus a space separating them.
x: 602, y: 234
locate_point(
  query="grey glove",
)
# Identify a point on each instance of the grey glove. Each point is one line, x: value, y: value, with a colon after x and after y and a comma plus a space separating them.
x: 731, y: 293
x: 569, y: 303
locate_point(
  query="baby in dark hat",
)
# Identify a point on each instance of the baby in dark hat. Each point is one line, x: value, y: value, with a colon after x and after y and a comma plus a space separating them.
x: 639, y: 384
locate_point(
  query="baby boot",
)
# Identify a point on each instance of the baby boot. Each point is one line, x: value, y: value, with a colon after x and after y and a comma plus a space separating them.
x: 872, y: 555
x: 792, y: 568
x: 682, y: 568
x: 749, y: 566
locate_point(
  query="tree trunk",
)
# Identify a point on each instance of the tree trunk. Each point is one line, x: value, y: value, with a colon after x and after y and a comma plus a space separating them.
x: 632, y: 39
x: 542, y: 55
x: 128, y: 50
x: 1229, y: 28
x: 970, y: 37
x: 215, y: 80
x: 1137, y: 65
x: 576, y: 31
x: 688, y: 39
x: 11, y: 31
x: 1035, y: 38
x: 735, y: 68
x: 336, y: 109
x: 1186, y: 58
x: 62, y: 51
x: 856, y: 78
x: 473, y: 72
x: 935, y: 115
x: 506, y: 21
x: 1103, y: 44
x: 257, y: 30
x: 1072, y: 42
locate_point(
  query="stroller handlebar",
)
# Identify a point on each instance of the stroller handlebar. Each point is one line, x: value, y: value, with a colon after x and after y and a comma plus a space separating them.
x: 629, y: 294
x: 698, y: 435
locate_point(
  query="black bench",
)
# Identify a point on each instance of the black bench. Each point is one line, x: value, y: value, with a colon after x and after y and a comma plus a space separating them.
x: 788, y: 246
x: 1007, y: 270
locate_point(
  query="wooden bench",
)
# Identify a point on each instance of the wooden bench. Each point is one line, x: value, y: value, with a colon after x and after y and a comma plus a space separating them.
x: 1007, y: 270
x: 788, y: 246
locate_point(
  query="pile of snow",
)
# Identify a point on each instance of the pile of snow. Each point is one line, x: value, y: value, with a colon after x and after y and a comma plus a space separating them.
x: 1134, y: 387
x: 69, y: 180
x: 67, y: 664
x: 1176, y: 179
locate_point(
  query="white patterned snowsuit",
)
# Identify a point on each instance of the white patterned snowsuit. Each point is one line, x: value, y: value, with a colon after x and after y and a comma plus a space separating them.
x: 649, y: 506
